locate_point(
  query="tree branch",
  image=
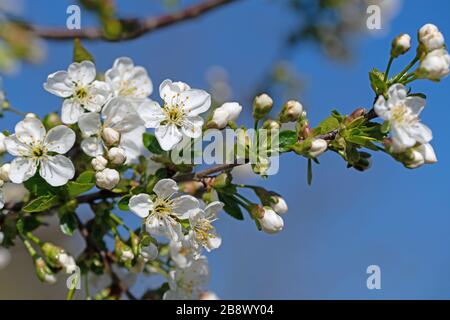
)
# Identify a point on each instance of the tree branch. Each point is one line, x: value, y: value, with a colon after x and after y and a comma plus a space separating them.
x: 139, y: 27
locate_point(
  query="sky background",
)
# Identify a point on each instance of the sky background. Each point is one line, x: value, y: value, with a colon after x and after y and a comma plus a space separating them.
x: 389, y: 216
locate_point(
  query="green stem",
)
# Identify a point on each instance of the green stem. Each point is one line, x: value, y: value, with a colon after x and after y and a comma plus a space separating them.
x: 71, y: 291
x: 33, y: 238
x: 388, y: 68
x: 404, y: 71
x: 29, y: 247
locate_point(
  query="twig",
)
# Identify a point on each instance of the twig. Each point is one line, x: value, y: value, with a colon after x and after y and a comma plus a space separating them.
x: 140, y: 27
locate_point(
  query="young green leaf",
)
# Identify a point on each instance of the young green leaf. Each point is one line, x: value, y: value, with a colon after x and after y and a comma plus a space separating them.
x: 152, y: 144
x: 230, y: 206
x: 41, y: 203
x: 80, y: 53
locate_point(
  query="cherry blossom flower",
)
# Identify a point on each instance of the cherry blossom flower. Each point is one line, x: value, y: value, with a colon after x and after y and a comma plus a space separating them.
x: 179, y: 114
x: 79, y: 89
x: 33, y: 147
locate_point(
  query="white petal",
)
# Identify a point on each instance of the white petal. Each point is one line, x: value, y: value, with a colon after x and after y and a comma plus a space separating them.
x: 16, y: 147
x: 167, y: 227
x: 428, y: 153
x: 59, y: 84
x: 401, y: 138
x: 185, y: 206
x: 71, y: 111
x: 83, y: 73
x: 420, y: 132
x: 195, y: 101
x: 168, y: 89
x: 92, y: 146
x: 133, y: 145
x: 30, y: 130
x: 214, y: 242
x: 22, y: 169
x: 192, y: 126
x: 151, y: 112
x: 213, y: 208
x: 120, y: 114
x: 141, y: 204
x: 60, y: 139
x: 168, y: 136
x: 415, y: 104
x: 98, y: 94
x: 396, y: 93
x: 381, y: 108
x: 57, y: 170
x: 89, y: 123
x: 165, y: 188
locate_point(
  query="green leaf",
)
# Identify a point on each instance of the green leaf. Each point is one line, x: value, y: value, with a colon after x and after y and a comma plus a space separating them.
x: 39, y: 187
x: 327, y: 125
x: 86, y: 177
x: 41, y: 203
x: 80, y: 53
x: 123, y: 203
x: 377, y: 83
x: 76, y: 188
x: 230, y: 206
x: 28, y: 224
x: 152, y: 144
x: 286, y: 139
x: 68, y: 222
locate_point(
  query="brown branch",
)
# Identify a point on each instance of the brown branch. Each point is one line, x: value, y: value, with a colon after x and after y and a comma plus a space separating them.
x: 138, y: 27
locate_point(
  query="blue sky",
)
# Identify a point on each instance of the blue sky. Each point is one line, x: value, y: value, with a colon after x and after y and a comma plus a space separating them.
x: 396, y: 218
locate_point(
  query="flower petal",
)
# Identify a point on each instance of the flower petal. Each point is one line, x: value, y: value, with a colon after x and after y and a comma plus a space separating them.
x: 82, y: 73
x: 213, y: 208
x: 168, y: 136
x: 22, y: 169
x: 141, y: 204
x: 120, y: 114
x: 30, y: 130
x: 165, y: 188
x: 415, y: 104
x: 420, y: 132
x: 98, y: 94
x: 92, y: 146
x: 168, y: 89
x: 192, y: 126
x: 60, y: 139
x: 16, y: 147
x: 57, y: 170
x: 401, y: 138
x: 71, y: 111
x: 185, y: 206
x: 381, y: 108
x: 133, y: 145
x: 59, y: 84
x: 151, y: 112
x: 163, y: 227
x: 397, y: 93
x: 90, y: 123
x: 195, y: 101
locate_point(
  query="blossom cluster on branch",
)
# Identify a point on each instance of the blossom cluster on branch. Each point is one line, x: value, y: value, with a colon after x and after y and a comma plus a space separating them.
x: 100, y: 141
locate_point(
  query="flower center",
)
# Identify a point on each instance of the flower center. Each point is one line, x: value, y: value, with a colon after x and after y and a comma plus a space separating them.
x: 38, y: 151
x: 126, y: 89
x: 401, y: 114
x: 81, y: 93
x: 162, y: 207
x: 203, y: 229
x: 174, y: 114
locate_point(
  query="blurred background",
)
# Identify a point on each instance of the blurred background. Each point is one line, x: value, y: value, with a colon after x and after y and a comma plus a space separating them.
x: 319, y: 52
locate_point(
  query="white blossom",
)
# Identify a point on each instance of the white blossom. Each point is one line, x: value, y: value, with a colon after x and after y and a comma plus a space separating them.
x: 184, y: 251
x: 228, y: 112
x: 278, y: 204
x: 67, y: 262
x: 431, y: 38
x: 291, y: 111
x: 402, y: 112
x: 203, y: 232
x: 422, y: 154
x: 79, y: 89
x: 4, y: 172
x: 435, y: 65
x: 117, y: 156
x: 318, y: 146
x: 162, y: 214
x: 179, y: 114
x: 107, y: 178
x: 128, y: 80
x: 186, y: 283
x: 99, y: 163
x: 118, y: 125
x: 262, y: 104
x: 2, y: 143
x: 271, y: 222
x: 33, y: 147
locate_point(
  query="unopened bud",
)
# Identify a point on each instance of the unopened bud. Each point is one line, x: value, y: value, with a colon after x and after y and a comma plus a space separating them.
x: 111, y: 137
x: 221, y: 181
x: 291, y: 111
x: 271, y: 222
x: 278, y: 204
x: 431, y: 38
x: 257, y: 211
x: 4, y: 172
x: 226, y: 113
x: 190, y: 187
x: 262, y: 105
x: 123, y: 252
x: 356, y: 114
x: 52, y: 120
x: 107, y: 178
x: 43, y: 272
x: 99, y: 163
x: 271, y: 124
x: 30, y: 116
x: 400, y: 45
x: 117, y: 156
x: 318, y: 146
